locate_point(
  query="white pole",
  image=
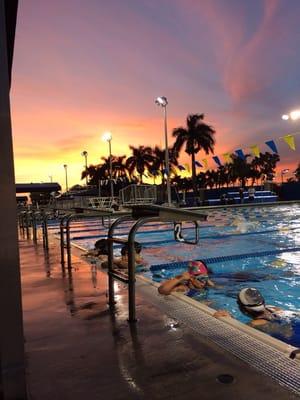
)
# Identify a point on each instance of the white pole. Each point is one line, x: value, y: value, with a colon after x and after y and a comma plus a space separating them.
x: 111, y: 171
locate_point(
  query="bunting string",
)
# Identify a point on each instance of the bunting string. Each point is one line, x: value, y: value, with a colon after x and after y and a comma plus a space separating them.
x: 255, y: 149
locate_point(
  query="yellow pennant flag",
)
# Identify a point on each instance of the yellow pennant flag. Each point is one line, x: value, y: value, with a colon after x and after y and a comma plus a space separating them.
x: 227, y: 157
x: 187, y: 168
x: 205, y: 162
x: 290, y: 141
x: 255, y: 150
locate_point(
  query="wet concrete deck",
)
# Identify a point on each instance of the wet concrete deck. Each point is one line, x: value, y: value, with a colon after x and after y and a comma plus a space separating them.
x: 76, y: 349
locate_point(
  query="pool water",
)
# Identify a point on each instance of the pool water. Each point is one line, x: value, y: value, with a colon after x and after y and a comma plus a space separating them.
x: 244, y: 247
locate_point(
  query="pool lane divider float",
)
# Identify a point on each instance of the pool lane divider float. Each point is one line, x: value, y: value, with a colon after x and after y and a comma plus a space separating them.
x: 147, y: 244
x: 213, y: 260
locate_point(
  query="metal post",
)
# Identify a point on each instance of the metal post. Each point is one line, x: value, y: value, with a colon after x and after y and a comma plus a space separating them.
x: 111, y: 171
x: 34, y: 228
x: 27, y: 225
x: 66, y: 176
x: 12, y: 360
x: 131, y: 278
x: 68, y: 243
x: 167, y: 158
x: 110, y: 235
x: 45, y: 223
x: 62, y: 242
x: 131, y: 266
x: 86, y: 177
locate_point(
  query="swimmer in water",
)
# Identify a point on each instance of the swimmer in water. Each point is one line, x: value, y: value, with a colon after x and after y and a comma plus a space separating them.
x: 196, y: 277
x: 243, y: 226
x: 266, y: 318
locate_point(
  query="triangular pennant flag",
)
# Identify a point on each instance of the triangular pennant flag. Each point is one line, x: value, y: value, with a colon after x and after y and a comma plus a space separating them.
x: 272, y: 146
x: 181, y: 168
x: 255, y: 150
x: 239, y: 153
x: 217, y: 160
x: 227, y: 157
x: 205, y: 162
x: 290, y: 141
x: 187, y: 167
x: 198, y: 164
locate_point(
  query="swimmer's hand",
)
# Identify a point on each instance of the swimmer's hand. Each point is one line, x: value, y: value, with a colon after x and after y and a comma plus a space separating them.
x: 185, y: 276
x: 221, y: 313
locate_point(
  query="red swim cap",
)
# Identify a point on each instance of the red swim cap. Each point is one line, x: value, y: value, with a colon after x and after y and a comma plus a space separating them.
x: 197, y: 268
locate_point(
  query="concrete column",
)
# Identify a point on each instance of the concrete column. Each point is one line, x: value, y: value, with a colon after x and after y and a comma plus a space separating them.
x: 11, y: 323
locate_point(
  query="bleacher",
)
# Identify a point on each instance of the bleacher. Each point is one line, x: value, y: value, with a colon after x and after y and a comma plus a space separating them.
x: 260, y: 196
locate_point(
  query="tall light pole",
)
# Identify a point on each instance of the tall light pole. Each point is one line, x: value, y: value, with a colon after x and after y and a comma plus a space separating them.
x: 51, y: 180
x: 85, y: 154
x: 66, y: 172
x: 107, y: 137
x: 163, y: 102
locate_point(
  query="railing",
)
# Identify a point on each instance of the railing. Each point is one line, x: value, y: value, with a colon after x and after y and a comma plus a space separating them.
x: 142, y: 215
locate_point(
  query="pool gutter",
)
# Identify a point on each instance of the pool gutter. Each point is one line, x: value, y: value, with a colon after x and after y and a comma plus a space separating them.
x: 263, y: 337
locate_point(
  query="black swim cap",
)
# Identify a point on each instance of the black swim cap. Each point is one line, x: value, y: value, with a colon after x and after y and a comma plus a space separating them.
x: 251, y: 299
x: 137, y: 248
x: 102, y: 246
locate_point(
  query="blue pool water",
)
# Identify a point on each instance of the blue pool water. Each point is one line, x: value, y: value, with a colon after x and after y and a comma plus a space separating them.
x: 256, y: 246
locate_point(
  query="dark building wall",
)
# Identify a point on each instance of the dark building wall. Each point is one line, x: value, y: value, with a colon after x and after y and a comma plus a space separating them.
x: 290, y: 191
x: 37, y: 187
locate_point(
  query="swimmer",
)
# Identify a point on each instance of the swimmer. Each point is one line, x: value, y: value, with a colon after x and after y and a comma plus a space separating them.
x: 196, y: 277
x: 243, y: 226
x: 100, y: 250
x: 269, y: 319
x: 122, y: 262
x: 252, y: 303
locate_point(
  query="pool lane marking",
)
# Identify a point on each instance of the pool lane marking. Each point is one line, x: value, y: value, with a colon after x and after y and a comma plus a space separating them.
x: 202, y: 237
x: 213, y: 260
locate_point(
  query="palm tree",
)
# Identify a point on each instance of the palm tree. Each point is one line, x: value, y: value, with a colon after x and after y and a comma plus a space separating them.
x: 159, y: 162
x: 297, y: 173
x: 196, y: 136
x: 240, y: 169
x: 141, y: 160
x: 266, y: 164
x: 119, y: 169
x: 94, y: 173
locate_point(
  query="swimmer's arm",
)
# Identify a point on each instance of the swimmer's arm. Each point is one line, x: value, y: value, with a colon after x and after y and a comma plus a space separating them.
x: 211, y: 284
x: 258, y: 322
x: 168, y: 286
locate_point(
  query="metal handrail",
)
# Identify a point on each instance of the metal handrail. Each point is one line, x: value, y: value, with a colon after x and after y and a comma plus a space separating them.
x: 151, y: 214
x: 110, y: 271
x: 66, y: 224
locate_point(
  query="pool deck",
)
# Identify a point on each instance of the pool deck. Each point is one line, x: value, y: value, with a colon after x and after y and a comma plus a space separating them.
x: 77, y: 349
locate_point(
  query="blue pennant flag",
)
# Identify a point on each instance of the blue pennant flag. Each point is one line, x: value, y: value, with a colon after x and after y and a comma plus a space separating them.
x: 165, y: 171
x: 198, y: 164
x: 217, y: 160
x: 240, y: 154
x: 181, y: 168
x: 272, y: 146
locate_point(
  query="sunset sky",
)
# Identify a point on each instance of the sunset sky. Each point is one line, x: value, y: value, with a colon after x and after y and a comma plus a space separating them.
x: 83, y: 67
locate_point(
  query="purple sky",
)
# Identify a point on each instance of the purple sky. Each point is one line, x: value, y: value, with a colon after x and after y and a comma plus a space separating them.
x: 82, y: 67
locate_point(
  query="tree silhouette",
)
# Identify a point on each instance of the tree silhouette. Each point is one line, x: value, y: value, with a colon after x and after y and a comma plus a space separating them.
x: 196, y: 136
x: 141, y: 160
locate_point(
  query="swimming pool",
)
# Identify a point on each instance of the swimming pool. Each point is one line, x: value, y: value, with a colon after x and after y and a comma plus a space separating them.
x: 252, y: 246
